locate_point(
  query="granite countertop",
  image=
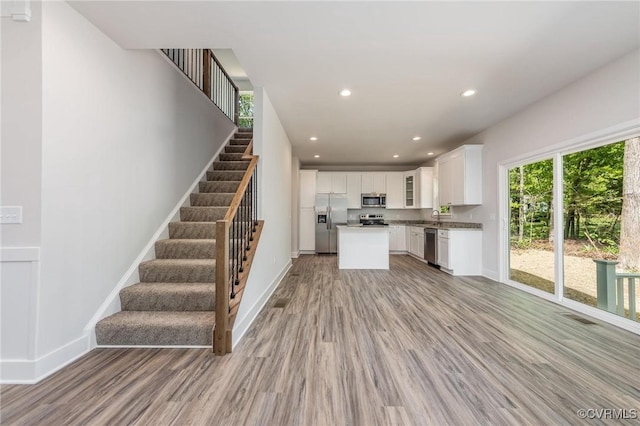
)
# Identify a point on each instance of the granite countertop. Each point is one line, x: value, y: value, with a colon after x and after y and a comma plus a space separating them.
x: 435, y: 224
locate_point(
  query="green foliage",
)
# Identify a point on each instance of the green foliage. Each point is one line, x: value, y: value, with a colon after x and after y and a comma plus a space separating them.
x: 592, y: 201
x: 245, y: 111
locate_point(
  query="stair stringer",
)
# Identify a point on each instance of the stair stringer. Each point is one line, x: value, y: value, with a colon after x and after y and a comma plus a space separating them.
x: 111, y: 304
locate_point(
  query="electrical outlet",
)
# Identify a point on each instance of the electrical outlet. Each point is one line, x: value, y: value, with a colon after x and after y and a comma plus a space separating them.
x: 11, y: 214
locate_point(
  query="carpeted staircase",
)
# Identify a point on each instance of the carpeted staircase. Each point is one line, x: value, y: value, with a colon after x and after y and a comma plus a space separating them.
x: 174, y: 302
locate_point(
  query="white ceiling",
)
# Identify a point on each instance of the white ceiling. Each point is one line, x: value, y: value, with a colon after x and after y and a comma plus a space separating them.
x: 405, y: 62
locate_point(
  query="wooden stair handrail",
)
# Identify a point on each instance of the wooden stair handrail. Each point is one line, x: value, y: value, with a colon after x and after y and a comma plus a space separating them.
x: 237, y: 199
x: 226, y: 308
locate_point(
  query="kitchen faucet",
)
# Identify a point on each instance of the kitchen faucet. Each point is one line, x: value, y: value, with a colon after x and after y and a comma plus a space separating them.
x: 436, y: 213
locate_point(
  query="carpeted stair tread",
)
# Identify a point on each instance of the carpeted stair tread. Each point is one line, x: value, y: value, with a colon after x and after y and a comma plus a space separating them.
x: 178, y: 270
x: 186, y: 249
x: 214, y: 199
x: 192, y: 230
x: 156, y: 328
x: 225, y: 175
x: 218, y: 186
x: 230, y: 165
x: 235, y: 149
x: 237, y: 156
x: 173, y: 304
x: 168, y: 297
x: 202, y: 214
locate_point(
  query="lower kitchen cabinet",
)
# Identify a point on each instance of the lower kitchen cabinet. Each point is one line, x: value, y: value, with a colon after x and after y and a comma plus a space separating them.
x: 416, y: 241
x: 397, y: 239
x: 460, y: 251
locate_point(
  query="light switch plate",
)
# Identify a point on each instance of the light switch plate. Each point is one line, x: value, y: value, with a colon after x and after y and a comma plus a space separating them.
x: 11, y: 214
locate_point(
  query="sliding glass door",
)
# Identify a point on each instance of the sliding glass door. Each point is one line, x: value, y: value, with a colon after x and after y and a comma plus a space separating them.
x: 531, y: 249
x: 597, y: 227
x: 593, y: 216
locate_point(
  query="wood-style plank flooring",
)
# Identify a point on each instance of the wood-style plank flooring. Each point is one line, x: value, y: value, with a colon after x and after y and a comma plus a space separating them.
x: 408, y: 346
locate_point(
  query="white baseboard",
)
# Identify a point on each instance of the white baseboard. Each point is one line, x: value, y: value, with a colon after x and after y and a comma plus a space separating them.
x: 295, y: 254
x: 243, y: 325
x: 490, y: 274
x: 24, y: 371
x: 111, y: 305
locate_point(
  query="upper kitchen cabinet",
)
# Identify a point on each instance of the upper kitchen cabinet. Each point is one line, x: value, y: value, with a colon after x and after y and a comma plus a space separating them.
x: 354, y: 190
x: 373, y: 183
x: 308, y: 188
x: 460, y: 176
x: 331, y: 182
x: 424, y: 181
x: 410, y: 189
x: 395, y: 190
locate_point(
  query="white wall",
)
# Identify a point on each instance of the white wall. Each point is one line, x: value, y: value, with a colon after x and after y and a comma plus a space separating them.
x: 608, y: 97
x: 20, y: 185
x: 295, y: 205
x: 124, y: 136
x: 273, y: 256
x: 21, y: 126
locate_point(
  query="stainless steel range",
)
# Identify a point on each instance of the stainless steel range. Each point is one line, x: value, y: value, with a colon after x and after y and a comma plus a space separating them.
x: 372, y: 220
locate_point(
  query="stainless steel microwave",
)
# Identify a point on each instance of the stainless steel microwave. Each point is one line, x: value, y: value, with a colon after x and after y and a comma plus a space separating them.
x: 374, y: 200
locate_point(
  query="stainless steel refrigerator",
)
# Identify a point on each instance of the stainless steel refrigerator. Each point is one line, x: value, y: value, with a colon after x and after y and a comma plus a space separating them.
x: 331, y: 210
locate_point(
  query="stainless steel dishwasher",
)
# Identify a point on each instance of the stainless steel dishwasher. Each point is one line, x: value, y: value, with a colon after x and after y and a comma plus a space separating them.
x: 431, y: 245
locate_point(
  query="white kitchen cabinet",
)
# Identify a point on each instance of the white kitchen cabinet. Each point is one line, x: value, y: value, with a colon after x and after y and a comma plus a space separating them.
x: 331, y: 182
x: 373, y: 183
x: 416, y: 244
x: 443, y: 249
x: 307, y: 188
x: 410, y: 189
x: 460, y: 176
x: 424, y: 182
x: 393, y: 238
x: 397, y: 240
x: 395, y: 190
x: 307, y: 229
x: 445, y: 186
x: 407, y: 237
x: 460, y: 251
x: 401, y: 241
x: 354, y: 190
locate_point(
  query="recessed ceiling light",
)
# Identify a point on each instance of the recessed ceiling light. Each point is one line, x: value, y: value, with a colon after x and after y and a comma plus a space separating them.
x: 313, y: 138
x: 395, y: 156
x: 316, y: 156
x: 345, y: 92
x: 429, y: 153
x: 468, y: 93
x: 416, y: 138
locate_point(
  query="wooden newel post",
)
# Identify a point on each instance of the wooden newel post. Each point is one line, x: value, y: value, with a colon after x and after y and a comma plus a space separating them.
x: 206, y: 72
x: 606, y: 284
x: 222, y: 288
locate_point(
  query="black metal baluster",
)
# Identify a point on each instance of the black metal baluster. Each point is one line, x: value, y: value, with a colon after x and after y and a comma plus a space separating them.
x: 238, y: 249
x: 233, y: 260
x: 247, y: 245
x: 251, y: 207
x: 255, y: 192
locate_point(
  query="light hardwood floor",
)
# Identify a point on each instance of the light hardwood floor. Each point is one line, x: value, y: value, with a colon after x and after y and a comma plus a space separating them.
x: 408, y: 346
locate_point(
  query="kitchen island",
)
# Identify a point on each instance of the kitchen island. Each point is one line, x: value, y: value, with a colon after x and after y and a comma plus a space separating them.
x: 363, y: 247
